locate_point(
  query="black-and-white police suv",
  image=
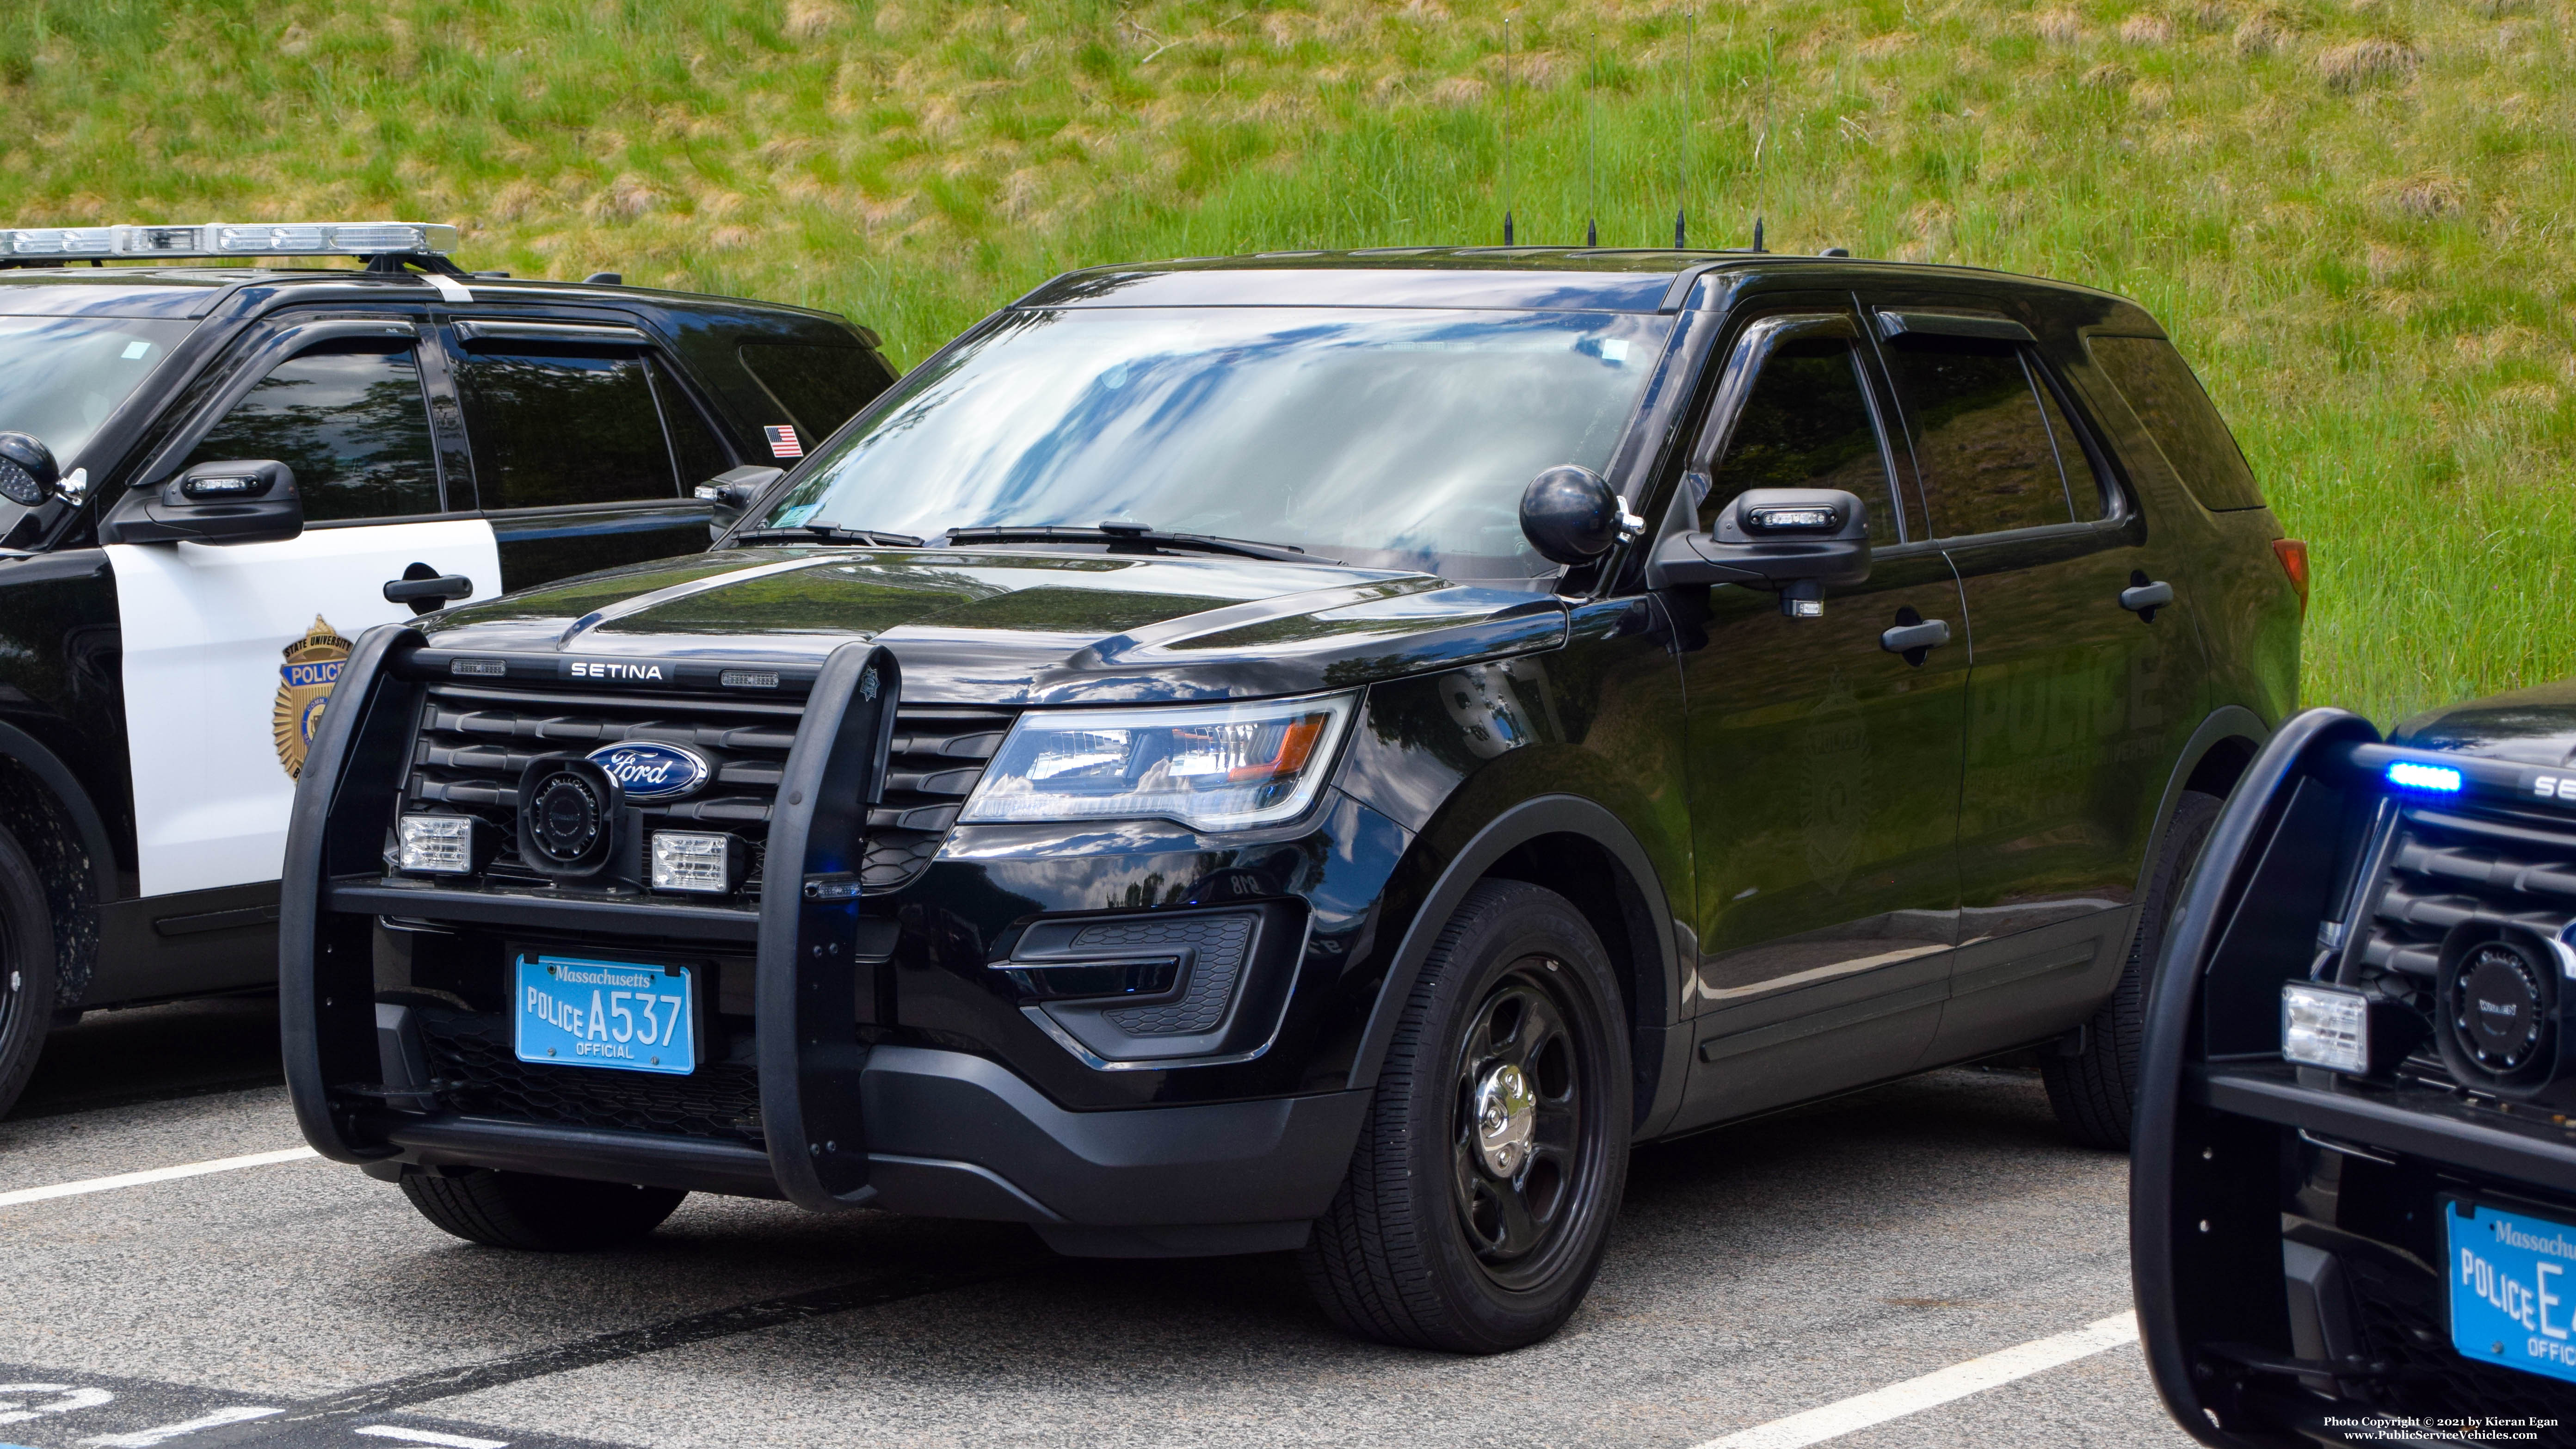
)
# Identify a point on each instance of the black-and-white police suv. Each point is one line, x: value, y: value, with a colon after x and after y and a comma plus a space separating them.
x: 2353, y: 1214
x: 214, y: 476
x: 1317, y: 752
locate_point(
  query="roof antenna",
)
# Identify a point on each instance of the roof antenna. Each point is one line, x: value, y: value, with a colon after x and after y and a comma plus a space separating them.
x: 1681, y: 172
x: 1591, y: 150
x: 1762, y: 148
x: 1507, y: 130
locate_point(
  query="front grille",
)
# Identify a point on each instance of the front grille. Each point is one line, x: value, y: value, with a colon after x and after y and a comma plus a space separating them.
x: 479, y: 1075
x: 474, y: 743
x: 2446, y: 868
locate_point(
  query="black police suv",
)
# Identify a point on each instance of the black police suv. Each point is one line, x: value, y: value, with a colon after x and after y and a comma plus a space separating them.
x: 213, y: 477
x: 2353, y: 1215
x: 1311, y: 752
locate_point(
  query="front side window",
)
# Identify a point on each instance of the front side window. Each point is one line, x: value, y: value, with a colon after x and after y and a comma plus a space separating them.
x: 1806, y: 424
x: 1386, y: 437
x: 1983, y: 447
x: 555, y: 429
x: 350, y: 419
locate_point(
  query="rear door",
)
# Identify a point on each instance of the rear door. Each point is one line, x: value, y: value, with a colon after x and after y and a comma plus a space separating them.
x: 2071, y: 695
x: 586, y: 442
x: 230, y: 653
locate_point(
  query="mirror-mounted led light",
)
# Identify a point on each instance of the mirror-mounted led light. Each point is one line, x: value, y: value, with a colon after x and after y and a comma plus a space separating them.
x: 2413, y: 776
x: 1791, y: 519
x: 2325, y: 1026
x: 227, y: 239
x: 435, y: 844
x: 703, y: 862
x: 1210, y: 767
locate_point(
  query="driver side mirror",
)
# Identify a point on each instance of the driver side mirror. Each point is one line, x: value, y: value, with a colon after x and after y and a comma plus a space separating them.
x: 236, y: 502
x: 732, y: 492
x: 1793, y: 540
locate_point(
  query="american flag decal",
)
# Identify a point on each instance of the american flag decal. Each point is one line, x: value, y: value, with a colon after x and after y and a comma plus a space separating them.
x: 782, y: 441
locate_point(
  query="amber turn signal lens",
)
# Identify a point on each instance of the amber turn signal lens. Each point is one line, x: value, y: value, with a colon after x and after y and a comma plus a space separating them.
x: 2294, y: 562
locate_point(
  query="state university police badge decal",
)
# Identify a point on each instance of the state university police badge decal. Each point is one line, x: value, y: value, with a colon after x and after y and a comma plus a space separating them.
x: 303, y: 685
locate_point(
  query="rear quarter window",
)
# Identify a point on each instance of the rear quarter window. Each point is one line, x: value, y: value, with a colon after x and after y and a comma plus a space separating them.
x: 821, y: 387
x: 2159, y: 387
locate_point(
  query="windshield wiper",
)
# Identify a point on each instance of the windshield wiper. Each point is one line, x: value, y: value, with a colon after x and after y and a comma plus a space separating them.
x: 825, y: 533
x: 1150, y: 539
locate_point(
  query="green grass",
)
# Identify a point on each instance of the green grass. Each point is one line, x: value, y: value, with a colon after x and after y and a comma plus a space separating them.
x: 2355, y: 218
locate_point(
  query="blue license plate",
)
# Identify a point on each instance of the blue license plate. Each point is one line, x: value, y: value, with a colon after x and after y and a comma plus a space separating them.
x: 2513, y: 1288
x: 574, y: 1012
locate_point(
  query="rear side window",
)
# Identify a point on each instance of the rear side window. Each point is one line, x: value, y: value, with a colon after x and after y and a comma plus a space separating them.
x: 2159, y: 387
x: 350, y: 420
x: 1806, y: 425
x: 821, y: 387
x: 553, y: 429
x: 1983, y: 446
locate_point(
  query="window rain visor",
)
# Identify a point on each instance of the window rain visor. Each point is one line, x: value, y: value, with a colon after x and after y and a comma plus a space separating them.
x: 1383, y: 437
x: 1210, y: 767
x: 61, y: 376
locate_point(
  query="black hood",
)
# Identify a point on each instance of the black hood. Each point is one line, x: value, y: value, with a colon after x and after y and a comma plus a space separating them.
x: 2535, y: 726
x: 1005, y: 626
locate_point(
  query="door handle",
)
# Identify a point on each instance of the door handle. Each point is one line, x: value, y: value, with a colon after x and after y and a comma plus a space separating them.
x: 1914, y: 636
x: 2144, y: 596
x: 426, y: 589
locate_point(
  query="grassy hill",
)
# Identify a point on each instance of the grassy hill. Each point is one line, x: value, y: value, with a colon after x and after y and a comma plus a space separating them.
x: 2355, y: 217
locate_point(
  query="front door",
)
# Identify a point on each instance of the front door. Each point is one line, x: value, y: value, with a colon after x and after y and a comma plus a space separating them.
x: 2075, y: 703
x: 1824, y: 768
x: 230, y: 652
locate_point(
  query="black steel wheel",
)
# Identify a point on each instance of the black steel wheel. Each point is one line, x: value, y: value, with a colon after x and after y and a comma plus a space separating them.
x: 1480, y: 1194
x: 26, y: 970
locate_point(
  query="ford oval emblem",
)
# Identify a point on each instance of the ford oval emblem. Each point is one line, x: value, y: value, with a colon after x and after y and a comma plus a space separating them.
x: 648, y: 771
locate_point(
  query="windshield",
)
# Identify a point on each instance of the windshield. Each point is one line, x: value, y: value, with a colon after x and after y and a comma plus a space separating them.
x: 61, y: 376
x: 1382, y: 437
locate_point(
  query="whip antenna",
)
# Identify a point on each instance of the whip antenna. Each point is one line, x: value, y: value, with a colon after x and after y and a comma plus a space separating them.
x: 1591, y: 151
x: 1762, y: 148
x: 1681, y: 171
x: 1507, y: 130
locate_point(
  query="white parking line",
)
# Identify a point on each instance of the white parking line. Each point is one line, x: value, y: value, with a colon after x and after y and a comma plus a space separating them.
x: 402, y: 1435
x: 149, y: 1437
x: 158, y: 1174
x: 1913, y: 1396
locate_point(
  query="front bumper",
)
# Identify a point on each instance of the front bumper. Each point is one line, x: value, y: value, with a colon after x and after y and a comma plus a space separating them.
x: 955, y: 1135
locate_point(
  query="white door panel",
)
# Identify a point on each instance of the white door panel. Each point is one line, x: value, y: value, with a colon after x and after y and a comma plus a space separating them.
x: 222, y: 684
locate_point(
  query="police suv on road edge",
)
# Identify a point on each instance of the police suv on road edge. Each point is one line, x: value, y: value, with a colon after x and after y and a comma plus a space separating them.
x: 212, y: 478
x: 1319, y: 751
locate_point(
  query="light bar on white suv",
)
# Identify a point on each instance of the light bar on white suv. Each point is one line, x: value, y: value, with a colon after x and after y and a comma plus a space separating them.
x: 231, y: 239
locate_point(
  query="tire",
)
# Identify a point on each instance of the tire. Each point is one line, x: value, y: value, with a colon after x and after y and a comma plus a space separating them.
x: 2094, y: 1092
x: 26, y: 970
x: 1427, y: 1244
x: 539, y: 1214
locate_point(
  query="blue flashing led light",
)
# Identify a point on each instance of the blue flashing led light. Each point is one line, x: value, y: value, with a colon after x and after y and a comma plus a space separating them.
x: 2423, y: 777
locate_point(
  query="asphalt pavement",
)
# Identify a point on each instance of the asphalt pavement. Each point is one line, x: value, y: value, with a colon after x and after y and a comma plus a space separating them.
x: 1757, y: 1273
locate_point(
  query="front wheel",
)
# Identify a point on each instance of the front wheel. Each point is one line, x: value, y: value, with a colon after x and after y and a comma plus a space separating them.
x: 541, y: 1214
x: 26, y: 970
x: 1479, y: 1198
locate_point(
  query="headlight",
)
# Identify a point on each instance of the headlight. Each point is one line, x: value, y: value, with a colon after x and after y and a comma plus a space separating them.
x: 1210, y: 767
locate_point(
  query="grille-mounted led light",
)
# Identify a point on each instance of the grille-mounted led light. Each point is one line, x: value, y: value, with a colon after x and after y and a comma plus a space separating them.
x: 435, y: 844
x: 2414, y: 776
x: 2325, y: 1026
x: 230, y: 239
x: 704, y: 862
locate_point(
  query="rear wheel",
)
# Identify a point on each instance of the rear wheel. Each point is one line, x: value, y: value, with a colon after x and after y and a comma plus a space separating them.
x: 1480, y: 1196
x: 541, y: 1214
x: 2094, y: 1091
x: 26, y: 970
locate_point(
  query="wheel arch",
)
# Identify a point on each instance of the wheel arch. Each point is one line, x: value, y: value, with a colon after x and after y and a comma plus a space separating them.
x: 1581, y: 850
x: 2212, y: 761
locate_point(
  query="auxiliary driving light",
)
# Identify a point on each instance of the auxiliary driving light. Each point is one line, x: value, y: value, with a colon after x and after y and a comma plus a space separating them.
x: 709, y: 863
x: 2325, y: 1026
x: 436, y: 844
